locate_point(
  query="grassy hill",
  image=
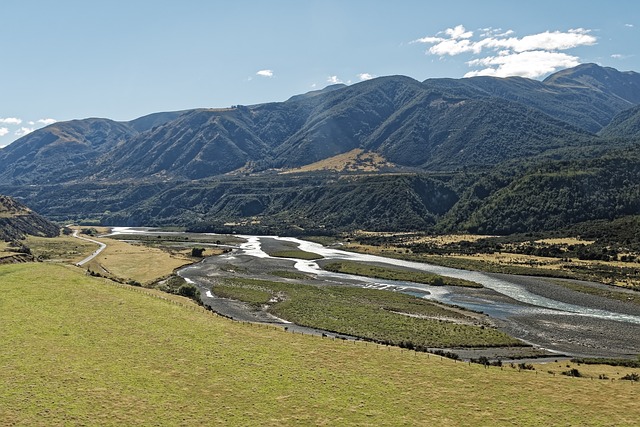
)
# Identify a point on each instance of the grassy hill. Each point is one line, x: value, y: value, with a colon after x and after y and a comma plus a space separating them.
x: 79, y: 350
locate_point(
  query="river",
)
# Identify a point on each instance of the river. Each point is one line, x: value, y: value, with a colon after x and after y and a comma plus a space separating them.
x: 533, y: 309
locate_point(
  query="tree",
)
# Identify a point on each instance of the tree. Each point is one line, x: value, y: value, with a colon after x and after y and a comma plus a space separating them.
x: 197, y: 252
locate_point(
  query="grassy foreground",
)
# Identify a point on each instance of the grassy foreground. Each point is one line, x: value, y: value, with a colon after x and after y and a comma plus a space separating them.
x: 82, y: 351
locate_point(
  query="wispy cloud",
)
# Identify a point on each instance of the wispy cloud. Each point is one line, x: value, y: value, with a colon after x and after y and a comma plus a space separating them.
x: 501, y: 54
x: 333, y: 80
x: 10, y: 121
x: 365, y: 76
x: 629, y: 25
x: 265, y: 73
x: 4, y: 131
x: 46, y: 122
x: 23, y: 131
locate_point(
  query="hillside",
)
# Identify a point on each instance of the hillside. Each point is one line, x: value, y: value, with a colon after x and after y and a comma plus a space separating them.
x: 17, y: 221
x: 550, y: 195
x: 96, y: 353
x: 624, y: 125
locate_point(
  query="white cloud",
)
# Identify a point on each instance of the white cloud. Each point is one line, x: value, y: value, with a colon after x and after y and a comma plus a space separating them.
x: 629, y: 25
x: 365, y: 76
x: 333, y: 80
x: 531, y: 64
x: 265, y: 73
x: 46, y: 122
x: 4, y: 131
x: 502, y: 54
x: 459, y: 32
x: 23, y: 131
x: 10, y: 121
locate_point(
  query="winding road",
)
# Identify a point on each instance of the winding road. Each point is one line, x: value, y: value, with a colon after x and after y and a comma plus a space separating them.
x: 102, y: 247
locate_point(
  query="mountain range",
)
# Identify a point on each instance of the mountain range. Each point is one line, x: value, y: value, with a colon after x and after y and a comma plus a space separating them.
x: 445, y: 133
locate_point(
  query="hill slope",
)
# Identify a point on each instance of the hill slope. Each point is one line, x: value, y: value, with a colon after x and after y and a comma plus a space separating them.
x: 17, y: 221
x: 97, y: 353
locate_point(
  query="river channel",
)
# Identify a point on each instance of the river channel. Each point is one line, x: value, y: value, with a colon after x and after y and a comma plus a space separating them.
x: 536, y: 310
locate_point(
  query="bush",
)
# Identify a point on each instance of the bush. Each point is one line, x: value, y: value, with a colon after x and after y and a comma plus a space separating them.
x: 572, y: 373
x: 526, y: 366
x: 631, y: 377
x: 197, y: 252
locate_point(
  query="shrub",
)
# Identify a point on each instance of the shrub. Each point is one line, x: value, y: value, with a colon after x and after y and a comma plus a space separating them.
x: 526, y: 366
x: 631, y: 377
x: 197, y: 252
x: 572, y: 373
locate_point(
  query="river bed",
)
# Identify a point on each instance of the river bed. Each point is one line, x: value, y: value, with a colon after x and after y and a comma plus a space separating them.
x: 533, y: 309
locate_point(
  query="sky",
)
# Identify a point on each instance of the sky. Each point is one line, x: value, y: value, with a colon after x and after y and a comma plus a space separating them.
x: 63, y: 60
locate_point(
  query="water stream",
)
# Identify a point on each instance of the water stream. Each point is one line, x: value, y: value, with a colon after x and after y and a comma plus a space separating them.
x: 534, y: 304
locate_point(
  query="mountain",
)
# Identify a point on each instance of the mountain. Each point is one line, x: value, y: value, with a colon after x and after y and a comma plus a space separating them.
x: 549, y: 195
x: 438, y: 124
x: 66, y: 151
x: 624, y: 125
x: 17, y: 221
x: 480, y: 154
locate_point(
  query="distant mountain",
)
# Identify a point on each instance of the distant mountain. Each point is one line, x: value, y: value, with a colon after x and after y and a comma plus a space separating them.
x: 438, y: 124
x: 17, y: 221
x: 481, y: 154
x: 67, y: 151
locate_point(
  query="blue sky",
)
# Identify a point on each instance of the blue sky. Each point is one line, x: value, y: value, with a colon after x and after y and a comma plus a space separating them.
x: 63, y: 60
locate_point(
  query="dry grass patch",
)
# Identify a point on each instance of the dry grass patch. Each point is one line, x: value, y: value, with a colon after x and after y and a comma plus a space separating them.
x: 135, y: 261
x: 591, y: 372
x: 356, y: 160
x: 66, y: 249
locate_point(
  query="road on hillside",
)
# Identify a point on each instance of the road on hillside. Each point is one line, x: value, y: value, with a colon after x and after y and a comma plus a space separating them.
x: 101, y: 248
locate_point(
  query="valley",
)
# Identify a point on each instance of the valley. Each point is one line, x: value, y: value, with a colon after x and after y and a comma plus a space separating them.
x: 331, y: 259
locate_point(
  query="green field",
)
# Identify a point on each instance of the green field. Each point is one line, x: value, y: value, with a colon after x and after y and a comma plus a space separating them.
x: 367, y: 270
x: 77, y: 350
x: 382, y: 316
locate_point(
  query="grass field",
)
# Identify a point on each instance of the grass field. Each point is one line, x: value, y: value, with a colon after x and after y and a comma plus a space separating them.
x: 382, y: 316
x: 59, y: 249
x: 82, y: 351
x: 136, y: 261
x: 367, y: 270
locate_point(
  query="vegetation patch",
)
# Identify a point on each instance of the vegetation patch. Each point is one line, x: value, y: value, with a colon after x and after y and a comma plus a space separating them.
x: 380, y: 316
x: 367, y: 270
x: 296, y: 253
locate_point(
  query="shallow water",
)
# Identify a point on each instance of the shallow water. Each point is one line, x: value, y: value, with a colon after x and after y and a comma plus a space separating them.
x: 533, y: 304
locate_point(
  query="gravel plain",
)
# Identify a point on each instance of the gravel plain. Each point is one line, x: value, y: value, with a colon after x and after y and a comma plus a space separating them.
x: 551, y: 333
